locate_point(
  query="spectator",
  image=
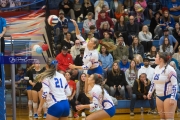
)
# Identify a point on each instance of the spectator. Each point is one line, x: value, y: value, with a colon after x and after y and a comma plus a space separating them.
x: 136, y: 48
x: 2, y: 32
x: 106, y: 58
x: 132, y: 29
x: 93, y: 30
x: 140, y: 91
x: 154, y: 6
x: 107, y: 37
x: 80, y: 94
x: 77, y: 9
x: 151, y: 56
x: 139, y: 61
x: 119, y: 11
x: 67, y: 7
x: 103, y: 1
x: 104, y: 28
x: 75, y: 74
x: 61, y: 23
x: 106, y: 9
x: 124, y: 63
x: 167, y: 22
x: 67, y: 41
x: 171, y: 38
x: 78, y: 60
x: 87, y: 7
x: 121, y: 27
x: 176, y: 33
x: 154, y: 22
x: 103, y: 19
x: 140, y: 6
x: 129, y: 5
x: 89, y: 22
x: 64, y: 59
x: 75, y: 50
x: 72, y: 99
x: 147, y: 69
x: 173, y: 59
x: 177, y: 55
x: 114, y: 5
x: 121, y: 50
x: 174, y: 8
x: 19, y: 76
x: 116, y: 81
x: 98, y: 8
x: 166, y: 47
x: 131, y: 75
x: 146, y: 38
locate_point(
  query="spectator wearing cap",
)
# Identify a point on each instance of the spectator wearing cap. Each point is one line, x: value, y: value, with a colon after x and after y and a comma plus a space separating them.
x: 147, y: 69
x: 132, y: 29
x: 154, y: 6
x: 121, y: 50
x: 124, y: 63
x: 62, y: 21
x: 64, y: 59
x: 19, y: 76
x: 87, y: 6
x: 67, y: 7
x: 75, y: 50
x: 174, y: 8
x: 103, y: 19
x: 68, y: 42
x: 171, y: 38
x: 78, y: 60
x: 89, y: 22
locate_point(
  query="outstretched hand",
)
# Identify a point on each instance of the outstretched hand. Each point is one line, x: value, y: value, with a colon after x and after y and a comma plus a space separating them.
x: 74, y: 22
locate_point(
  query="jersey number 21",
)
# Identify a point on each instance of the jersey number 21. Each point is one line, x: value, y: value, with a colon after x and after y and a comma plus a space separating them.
x: 58, y: 83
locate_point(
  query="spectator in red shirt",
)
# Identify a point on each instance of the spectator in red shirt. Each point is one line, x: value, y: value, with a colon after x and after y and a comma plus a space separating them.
x: 64, y: 58
x: 72, y: 99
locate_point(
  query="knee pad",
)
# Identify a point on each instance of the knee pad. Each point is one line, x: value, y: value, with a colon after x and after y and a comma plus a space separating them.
x: 30, y: 102
x: 35, y: 105
x: 44, y: 105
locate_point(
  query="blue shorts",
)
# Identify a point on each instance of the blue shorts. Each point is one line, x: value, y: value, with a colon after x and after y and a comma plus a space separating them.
x: 29, y: 88
x: 163, y: 98
x: 111, y: 111
x: 97, y: 70
x: 59, y: 109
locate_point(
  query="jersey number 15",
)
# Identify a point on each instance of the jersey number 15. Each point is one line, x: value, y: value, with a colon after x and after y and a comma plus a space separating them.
x: 58, y: 83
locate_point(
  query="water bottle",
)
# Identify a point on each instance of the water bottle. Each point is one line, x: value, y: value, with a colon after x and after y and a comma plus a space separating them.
x: 142, y: 110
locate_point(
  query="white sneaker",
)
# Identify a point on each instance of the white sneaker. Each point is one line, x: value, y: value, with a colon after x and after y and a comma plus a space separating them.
x: 30, y: 113
x: 83, y: 114
x: 70, y: 113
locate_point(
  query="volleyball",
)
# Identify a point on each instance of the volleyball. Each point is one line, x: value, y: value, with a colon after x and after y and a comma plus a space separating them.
x: 53, y: 20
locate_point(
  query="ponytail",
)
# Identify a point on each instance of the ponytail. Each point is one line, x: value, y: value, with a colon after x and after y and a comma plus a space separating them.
x: 108, y: 45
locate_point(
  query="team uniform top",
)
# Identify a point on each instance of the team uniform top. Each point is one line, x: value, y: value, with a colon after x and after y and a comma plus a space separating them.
x: 55, y: 89
x: 165, y: 82
x: 90, y: 58
x: 99, y: 103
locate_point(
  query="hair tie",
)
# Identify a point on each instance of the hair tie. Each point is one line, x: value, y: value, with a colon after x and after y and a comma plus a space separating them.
x: 168, y: 57
x: 99, y: 76
x: 54, y: 62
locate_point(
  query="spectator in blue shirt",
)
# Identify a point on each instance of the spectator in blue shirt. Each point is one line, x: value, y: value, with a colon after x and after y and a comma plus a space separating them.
x: 170, y: 37
x: 2, y: 32
x: 106, y: 58
x: 174, y: 8
x: 19, y: 76
x: 124, y: 64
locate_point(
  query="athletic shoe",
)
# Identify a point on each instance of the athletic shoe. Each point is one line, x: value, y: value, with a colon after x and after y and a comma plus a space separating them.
x: 70, y: 113
x: 131, y: 114
x: 76, y: 115
x: 44, y: 116
x: 152, y: 112
x: 30, y: 114
x: 83, y: 114
x: 35, y: 116
x: 178, y: 110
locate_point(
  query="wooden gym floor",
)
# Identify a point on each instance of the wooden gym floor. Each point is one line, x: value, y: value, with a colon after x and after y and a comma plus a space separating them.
x: 22, y: 114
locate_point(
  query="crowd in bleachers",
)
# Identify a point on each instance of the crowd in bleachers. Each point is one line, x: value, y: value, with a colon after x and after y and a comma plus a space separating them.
x: 122, y: 23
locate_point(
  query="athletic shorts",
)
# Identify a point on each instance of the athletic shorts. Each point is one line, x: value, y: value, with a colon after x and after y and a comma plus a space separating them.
x: 163, y: 98
x: 29, y: 88
x: 97, y: 70
x: 111, y: 111
x: 59, y: 109
x: 37, y: 87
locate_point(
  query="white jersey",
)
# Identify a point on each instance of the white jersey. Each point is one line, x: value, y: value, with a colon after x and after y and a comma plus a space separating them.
x: 55, y: 89
x: 90, y: 58
x: 164, y: 81
x: 97, y: 101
